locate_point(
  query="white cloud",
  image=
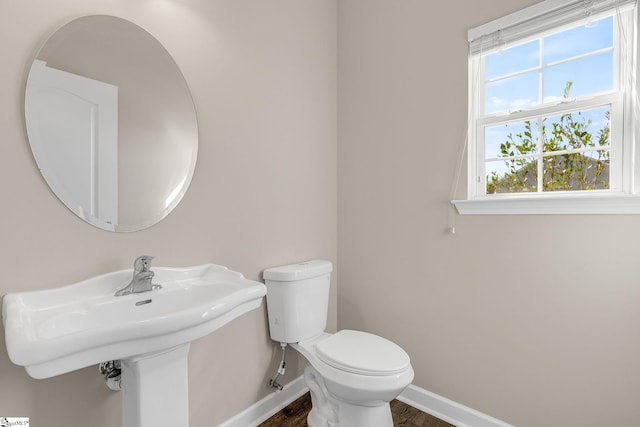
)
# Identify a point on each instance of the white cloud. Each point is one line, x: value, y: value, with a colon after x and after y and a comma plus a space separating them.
x: 519, y: 103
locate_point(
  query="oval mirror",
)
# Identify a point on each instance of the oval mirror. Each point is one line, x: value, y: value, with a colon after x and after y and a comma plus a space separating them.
x: 111, y: 123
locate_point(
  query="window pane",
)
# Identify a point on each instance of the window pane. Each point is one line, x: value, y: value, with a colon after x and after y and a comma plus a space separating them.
x: 577, y: 171
x: 589, y: 75
x: 508, y: 61
x: 512, y: 176
x: 511, y: 139
x: 580, y: 40
x: 579, y: 129
x: 512, y: 94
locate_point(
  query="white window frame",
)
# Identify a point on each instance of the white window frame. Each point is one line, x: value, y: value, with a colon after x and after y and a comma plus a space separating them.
x: 543, y: 18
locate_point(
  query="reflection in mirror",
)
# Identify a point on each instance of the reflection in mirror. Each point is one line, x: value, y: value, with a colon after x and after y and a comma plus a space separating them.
x: 111, y: 123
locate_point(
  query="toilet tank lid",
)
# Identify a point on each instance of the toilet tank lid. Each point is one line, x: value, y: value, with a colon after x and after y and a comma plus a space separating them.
x: 300, y: 271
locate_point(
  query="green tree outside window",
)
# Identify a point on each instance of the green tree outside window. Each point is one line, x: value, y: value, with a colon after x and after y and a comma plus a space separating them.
x: 568, y: 170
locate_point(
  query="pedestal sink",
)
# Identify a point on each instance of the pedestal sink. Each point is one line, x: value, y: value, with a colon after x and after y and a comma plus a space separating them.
x: 55, y: 331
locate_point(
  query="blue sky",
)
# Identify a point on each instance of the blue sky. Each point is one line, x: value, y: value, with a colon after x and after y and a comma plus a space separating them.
x: 590, y: 74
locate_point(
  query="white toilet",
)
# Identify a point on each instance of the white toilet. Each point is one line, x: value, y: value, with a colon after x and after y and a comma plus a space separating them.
x: 352, y: 375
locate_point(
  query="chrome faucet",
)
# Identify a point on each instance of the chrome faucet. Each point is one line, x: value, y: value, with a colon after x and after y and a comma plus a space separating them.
x: 142, y: 276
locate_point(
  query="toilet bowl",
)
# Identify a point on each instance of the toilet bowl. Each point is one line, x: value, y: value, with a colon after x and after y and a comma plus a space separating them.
x: 352, y: 375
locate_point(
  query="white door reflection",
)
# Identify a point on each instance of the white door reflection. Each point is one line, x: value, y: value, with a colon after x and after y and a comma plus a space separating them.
x: 75, y: 130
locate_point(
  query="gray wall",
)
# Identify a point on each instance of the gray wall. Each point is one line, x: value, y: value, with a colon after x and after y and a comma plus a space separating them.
x: 535, y: 331
x: 531, y: 319
x: 263, y: 77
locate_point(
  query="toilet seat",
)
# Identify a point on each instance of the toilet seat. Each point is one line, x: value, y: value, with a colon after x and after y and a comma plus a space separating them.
x: 353, y: 377
x: 362, y: 353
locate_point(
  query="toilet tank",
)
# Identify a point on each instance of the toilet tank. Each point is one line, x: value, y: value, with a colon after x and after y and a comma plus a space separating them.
x: 298, y: 300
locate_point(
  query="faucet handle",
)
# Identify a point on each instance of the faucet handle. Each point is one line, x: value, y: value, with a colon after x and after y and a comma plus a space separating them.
x: 142, y: 263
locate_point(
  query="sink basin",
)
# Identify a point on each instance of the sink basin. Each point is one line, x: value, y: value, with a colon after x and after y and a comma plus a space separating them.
x: 59, y: 330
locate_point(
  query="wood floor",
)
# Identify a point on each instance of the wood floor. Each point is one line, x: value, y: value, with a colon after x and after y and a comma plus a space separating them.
x: 295, y: 415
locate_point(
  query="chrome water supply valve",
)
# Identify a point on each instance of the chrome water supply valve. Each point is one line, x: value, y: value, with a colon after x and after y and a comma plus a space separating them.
x: 112, y: 373
x: 281, y: 368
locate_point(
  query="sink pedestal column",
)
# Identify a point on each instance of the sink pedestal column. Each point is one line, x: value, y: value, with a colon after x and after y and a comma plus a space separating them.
x: 155, y: 389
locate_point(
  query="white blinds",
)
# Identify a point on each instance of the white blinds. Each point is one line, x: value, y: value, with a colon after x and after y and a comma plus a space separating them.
x: 538, y: 18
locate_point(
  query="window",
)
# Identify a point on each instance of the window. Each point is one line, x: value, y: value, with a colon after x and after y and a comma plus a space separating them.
x: 552, y: 101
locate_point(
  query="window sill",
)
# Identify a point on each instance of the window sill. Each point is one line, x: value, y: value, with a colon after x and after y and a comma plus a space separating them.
x: 532, y: 205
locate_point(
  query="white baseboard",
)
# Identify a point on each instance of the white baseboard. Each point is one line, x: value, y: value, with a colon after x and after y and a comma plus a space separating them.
x: 269, y: 405
x: 447, y: 410
x: 424, y: 400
